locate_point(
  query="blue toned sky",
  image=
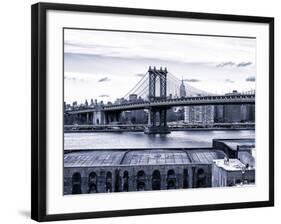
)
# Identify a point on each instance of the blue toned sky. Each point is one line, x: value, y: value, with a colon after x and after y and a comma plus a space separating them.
x: 105, y: 65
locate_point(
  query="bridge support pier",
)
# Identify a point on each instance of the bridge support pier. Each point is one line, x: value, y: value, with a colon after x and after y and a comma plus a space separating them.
x: 98, y: 117
x: 155, y: 127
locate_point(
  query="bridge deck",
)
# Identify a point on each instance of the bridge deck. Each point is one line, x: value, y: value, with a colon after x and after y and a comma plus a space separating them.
x: 187, y: 101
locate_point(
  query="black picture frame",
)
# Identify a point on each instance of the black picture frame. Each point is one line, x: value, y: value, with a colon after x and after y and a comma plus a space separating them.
x: 39, y: 108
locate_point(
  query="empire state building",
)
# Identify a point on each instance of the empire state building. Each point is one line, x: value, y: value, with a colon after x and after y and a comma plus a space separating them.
x: 182, y: 90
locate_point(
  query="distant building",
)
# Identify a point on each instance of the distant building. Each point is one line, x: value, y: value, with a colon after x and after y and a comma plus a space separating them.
x: 199, y: 114
x: 86, y: 103
x: 234, y: 92
x: 232, y: 113
x: 182, y: 90
x: 251, y: 111
x: 74, y: 104
x: 239, y: 113
x: 183, y: 95
x: 219, y: 113
x: 117, y: 101
x: 140, y: 99
x: 134, y: 117
x: 208, y: 114
x: 171, y: 115
x: 247, y: 113
x: 187, y: 114
x: 92, y: 102
x: 133, y: 97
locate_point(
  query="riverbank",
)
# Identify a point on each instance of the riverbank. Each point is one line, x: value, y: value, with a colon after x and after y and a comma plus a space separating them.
x: 171, y: 129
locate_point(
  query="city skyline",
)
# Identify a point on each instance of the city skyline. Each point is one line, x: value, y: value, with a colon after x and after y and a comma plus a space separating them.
x: 95, y: 69
x: 165, y: 128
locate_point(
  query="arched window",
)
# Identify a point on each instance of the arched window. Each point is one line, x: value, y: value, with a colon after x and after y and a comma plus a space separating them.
x: 171, y: 184
x: 141, y: 180
x: 201, y: 178
x: 76, y: 183
x: 108, y: 182
x: 141, y: 186
x: 171, y: 173
x: 156, y: 180
x: 92, y: 183
x: 109, y: 175
x: 185, y: 178
x: 117, y: 183
x: 126, y: 181
x: 171, y: 179
x: 125, y: 174
x: 200, y: 172
x: 141, y: 174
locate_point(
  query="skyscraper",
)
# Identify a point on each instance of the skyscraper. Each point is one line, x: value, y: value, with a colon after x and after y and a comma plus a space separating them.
x: 199, y: 114
x: 219, y: 114
x: 182, y: 90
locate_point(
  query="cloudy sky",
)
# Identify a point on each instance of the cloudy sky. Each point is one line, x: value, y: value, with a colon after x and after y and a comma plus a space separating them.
x: 105, y: 65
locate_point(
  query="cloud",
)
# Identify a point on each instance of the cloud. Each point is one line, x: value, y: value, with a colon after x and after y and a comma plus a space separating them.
x: 104, y: 95
x: 229, y: 80
x: 95, y: 46
x: 251, y: 79
x: 200, y: 63
x: 224, y: 64
x: 244, y: 64
x: 140, y: 75
x: 69, y: 78
x: 231, y: 63
x: 191, y: 80
x: 105, y: 79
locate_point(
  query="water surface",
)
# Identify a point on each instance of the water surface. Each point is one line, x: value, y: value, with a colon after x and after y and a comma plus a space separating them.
x: 186, y: 139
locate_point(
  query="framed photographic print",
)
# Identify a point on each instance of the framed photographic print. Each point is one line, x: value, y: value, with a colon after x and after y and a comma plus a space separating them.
x: 140, y: 111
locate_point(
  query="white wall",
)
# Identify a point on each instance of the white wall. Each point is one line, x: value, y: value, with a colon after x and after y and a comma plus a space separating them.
x: 15, y: 109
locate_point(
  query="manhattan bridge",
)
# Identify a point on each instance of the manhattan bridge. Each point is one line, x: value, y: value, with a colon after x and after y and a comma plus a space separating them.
x: 158, y: 89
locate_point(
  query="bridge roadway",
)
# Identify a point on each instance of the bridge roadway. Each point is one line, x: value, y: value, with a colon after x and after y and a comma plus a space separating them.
x: 187, y: 101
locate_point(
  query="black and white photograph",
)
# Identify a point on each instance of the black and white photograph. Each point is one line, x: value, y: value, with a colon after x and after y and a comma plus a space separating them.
x: 142, y: 111
x: 151, y: 111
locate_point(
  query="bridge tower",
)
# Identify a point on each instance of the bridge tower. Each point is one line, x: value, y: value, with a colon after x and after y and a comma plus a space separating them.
x: 157, y: 76
x: 98, y: 116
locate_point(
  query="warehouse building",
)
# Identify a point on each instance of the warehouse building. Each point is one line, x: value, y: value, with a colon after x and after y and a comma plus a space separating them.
x: 101, y: 171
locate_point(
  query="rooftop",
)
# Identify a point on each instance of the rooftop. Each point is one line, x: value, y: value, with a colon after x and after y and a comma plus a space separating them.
x: 205, y: 156
x: 155, y: 157
x: 231, y: 165
x: 90, y: 158
x: 93, y: 158
x: 234, y: 143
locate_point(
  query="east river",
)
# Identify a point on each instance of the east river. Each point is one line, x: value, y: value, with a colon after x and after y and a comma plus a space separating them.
x: 176, y: 139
